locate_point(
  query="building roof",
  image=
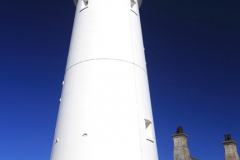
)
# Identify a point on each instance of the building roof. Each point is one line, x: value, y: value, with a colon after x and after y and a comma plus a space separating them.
x: 191, y: 158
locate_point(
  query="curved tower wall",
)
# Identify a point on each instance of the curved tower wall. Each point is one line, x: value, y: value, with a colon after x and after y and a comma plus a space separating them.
x: 105, y: 110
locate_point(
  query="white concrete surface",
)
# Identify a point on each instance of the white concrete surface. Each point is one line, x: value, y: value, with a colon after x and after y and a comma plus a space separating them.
x: 105, y: 110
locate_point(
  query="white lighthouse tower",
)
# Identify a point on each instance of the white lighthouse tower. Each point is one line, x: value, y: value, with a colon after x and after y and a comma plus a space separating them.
x: 105, y: 109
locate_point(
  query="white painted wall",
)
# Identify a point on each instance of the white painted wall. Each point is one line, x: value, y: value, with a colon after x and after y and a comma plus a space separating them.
x: 105, y: 97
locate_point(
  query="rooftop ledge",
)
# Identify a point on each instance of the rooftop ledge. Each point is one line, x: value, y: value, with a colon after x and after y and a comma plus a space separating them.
x: 139, y: 2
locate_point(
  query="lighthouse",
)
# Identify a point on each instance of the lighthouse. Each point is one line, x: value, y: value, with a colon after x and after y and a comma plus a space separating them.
x: 105, y: 109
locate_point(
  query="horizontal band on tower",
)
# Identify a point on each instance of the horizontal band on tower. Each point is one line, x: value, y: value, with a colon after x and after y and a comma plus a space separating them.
x: 139, y: 2
x: 104, y: 59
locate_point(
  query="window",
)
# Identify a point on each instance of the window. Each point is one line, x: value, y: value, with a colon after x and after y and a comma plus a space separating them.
x: 56, y: 141
x: 132, y: 3
x: 134, y: 6
x: 84, y: 4
x: 149, y: 132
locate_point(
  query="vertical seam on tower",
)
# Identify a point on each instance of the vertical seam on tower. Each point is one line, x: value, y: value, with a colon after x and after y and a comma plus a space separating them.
x: 139, y: 130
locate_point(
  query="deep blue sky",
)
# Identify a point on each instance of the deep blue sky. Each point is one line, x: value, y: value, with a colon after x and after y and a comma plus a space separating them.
x: 193, y: 57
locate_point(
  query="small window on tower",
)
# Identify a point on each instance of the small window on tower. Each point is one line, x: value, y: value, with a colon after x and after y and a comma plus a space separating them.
x: 132, y: 3
x: 134, y: 6
x: 149, y: 133
x: 84, y: 4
